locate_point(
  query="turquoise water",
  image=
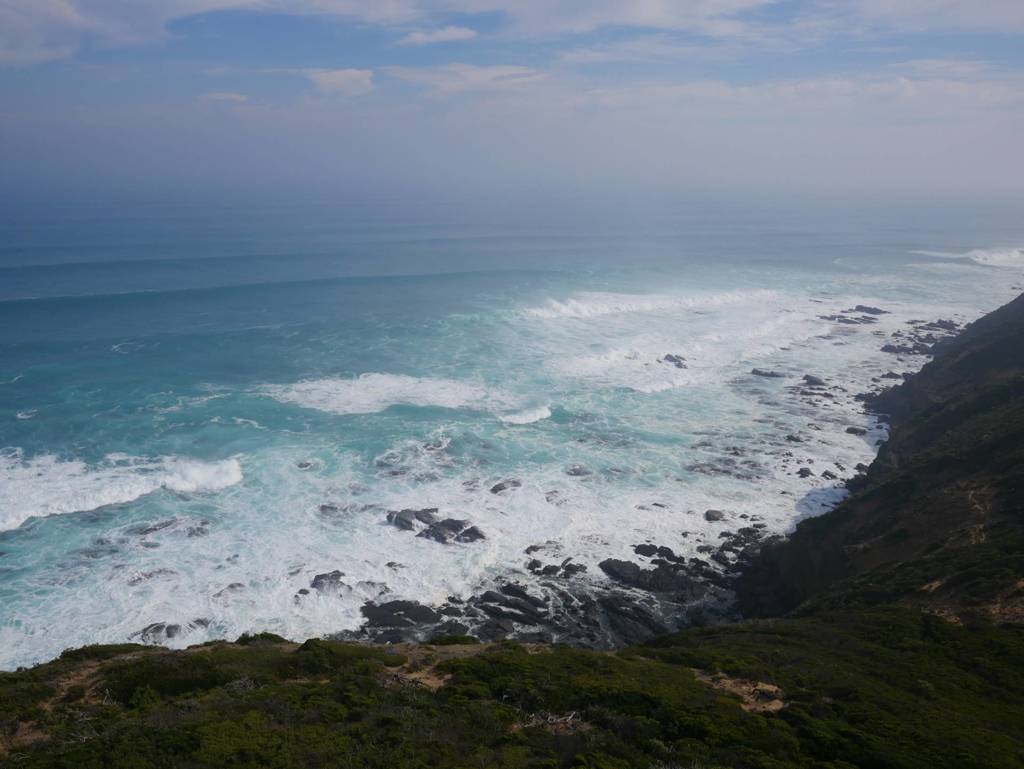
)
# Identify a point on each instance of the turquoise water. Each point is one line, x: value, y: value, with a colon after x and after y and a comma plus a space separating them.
x: 202, y: 408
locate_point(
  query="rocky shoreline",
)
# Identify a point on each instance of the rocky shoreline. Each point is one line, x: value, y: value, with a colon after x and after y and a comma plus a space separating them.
x: 655, y: 592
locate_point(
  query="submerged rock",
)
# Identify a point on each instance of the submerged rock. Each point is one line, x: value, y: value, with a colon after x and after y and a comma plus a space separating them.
x: 505, y: 485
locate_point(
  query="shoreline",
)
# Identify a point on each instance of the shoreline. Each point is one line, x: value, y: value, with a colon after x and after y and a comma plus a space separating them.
x: 658, y: 591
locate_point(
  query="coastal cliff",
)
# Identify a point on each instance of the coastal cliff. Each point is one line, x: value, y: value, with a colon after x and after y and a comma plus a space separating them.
x: 890, y: 635
x: 938, y: 520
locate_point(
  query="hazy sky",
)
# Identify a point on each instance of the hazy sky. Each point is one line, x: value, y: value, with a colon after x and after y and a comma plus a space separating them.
x: 899, y: 97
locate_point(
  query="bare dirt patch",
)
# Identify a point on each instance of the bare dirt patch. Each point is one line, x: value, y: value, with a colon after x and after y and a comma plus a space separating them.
x: 755, y: 696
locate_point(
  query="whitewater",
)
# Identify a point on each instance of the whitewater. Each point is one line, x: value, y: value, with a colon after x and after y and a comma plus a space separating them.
x: 194, y: 451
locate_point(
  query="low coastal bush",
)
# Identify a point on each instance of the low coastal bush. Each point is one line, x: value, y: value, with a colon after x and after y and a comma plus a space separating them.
x: 879, y: 688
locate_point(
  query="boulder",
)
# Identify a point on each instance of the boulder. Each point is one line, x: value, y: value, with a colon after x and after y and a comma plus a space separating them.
x: 408, y: 518
x: 329, y: 582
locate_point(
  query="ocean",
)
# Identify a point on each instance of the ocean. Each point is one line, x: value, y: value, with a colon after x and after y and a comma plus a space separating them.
x: 202, y: 407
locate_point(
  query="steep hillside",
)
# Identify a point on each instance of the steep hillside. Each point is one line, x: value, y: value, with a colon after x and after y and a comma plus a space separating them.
x: 938, y: 521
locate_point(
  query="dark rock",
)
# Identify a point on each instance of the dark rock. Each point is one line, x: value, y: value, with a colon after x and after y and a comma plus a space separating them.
x: 234, y: 587
x: 516, y: 591
x: 714, y: 515
x: 869, y: 310
x: 767, y: 373
x: 572, y: 569
x: 328, y: 583
x: 444, y: 531
x: 143, y: 529
x: 472, y: 534
x: 505, y: 485
x: 676, y: 360
x: 629, y: 622
x: 805, y: 472
x: 408, y: 518
x: 645, y: 550
x: 659, y: 579
x: 396, y: 614
x: 856, y: 431
x: 157, y: 632
x: 145, y: 576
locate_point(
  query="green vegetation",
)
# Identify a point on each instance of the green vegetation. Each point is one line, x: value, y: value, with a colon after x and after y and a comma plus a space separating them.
x: 886, y: 688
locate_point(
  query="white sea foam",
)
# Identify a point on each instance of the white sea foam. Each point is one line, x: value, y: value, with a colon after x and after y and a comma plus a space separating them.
x: 591, y: 304
x: 993, y: 257
x: 999, y: 257
x: 370, y: 393
x: 526, y: 416
x: 46, y: 485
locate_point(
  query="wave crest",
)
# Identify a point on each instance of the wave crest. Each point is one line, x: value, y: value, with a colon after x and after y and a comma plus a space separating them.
x: 992, y: 257
x: 46, y: 485
x: 589, y: 304
x: 371, y: 393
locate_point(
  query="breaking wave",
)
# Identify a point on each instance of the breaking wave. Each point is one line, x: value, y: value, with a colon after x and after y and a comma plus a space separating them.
x: 993, y: 257
x: 591, y: 304
x: 370, y: 393
x: 46, y: 485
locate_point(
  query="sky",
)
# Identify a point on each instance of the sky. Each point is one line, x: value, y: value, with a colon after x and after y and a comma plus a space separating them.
x: 888, y: 98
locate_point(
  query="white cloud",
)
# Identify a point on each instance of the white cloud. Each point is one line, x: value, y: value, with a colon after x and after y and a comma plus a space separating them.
x: 39, y: 30
x: 930, y: 15
x: 457, y: 78
x: 947, y: 68
x: 638, y: 49
x: 442, y: 35
x: 343, y: 82
x: 223, y: 97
